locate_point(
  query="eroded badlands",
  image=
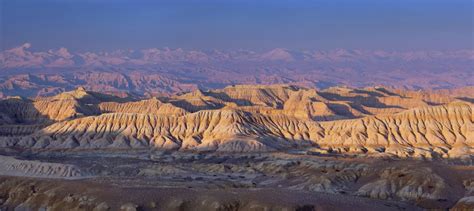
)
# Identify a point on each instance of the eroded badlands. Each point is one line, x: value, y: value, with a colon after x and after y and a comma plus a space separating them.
x: 373, y: 148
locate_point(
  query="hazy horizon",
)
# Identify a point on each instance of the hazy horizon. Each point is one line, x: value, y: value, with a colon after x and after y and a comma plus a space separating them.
x: 228, y: 25
x: 146, y: 46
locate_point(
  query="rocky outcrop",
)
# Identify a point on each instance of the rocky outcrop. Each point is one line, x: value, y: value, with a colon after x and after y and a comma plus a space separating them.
x: 64, y: 106
x: 30, y: 168
x: 249, y: 118
x: 151, y: 106
x: 406, y: 184
x: 441, y: 131
x: 340, y: 143
x: 429, y: 131
x: 227, y: 130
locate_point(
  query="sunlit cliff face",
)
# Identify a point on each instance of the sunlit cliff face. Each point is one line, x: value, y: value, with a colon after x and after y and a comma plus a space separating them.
x: 399, y: 146
x: 248, y: 118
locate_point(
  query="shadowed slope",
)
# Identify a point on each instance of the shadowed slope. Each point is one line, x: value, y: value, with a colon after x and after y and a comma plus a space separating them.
x: 441, y: 130
x: 256, y: 118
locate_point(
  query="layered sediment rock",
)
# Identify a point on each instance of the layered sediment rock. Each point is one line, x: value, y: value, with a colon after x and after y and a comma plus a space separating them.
x: 428, y: 132
x: 31, y: 168
x: 252, y: 118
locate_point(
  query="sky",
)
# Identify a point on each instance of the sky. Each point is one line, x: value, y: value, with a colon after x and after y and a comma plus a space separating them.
x: 96, y: 25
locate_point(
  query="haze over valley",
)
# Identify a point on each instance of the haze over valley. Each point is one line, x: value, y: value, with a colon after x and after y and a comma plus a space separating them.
x: 169, y: 71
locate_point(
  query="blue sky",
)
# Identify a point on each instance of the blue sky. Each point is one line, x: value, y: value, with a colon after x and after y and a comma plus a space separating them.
x: 230, y: 24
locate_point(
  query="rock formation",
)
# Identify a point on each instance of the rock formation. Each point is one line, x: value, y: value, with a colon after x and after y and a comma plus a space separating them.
x: 374, y: 145
x: 250, y: 118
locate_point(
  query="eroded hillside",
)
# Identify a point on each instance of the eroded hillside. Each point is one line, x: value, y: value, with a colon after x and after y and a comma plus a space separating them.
x: 239, y: 148
x: 246, y: 118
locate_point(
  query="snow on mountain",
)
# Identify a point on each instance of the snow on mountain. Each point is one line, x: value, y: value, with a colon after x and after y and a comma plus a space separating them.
x: 22, y: 57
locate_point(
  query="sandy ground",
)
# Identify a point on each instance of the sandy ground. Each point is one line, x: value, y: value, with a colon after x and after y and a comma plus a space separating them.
x: 148, y: 180
x: 157, y: 198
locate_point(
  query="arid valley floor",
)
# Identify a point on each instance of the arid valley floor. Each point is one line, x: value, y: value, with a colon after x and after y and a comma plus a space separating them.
x: 243, y: 147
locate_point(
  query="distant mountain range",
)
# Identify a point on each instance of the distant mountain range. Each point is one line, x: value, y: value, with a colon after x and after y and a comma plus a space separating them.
x: 167, y: 71
x: 22, y: 57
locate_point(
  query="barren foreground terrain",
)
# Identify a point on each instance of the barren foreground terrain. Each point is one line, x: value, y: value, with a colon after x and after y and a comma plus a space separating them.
x: 243, y: 147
